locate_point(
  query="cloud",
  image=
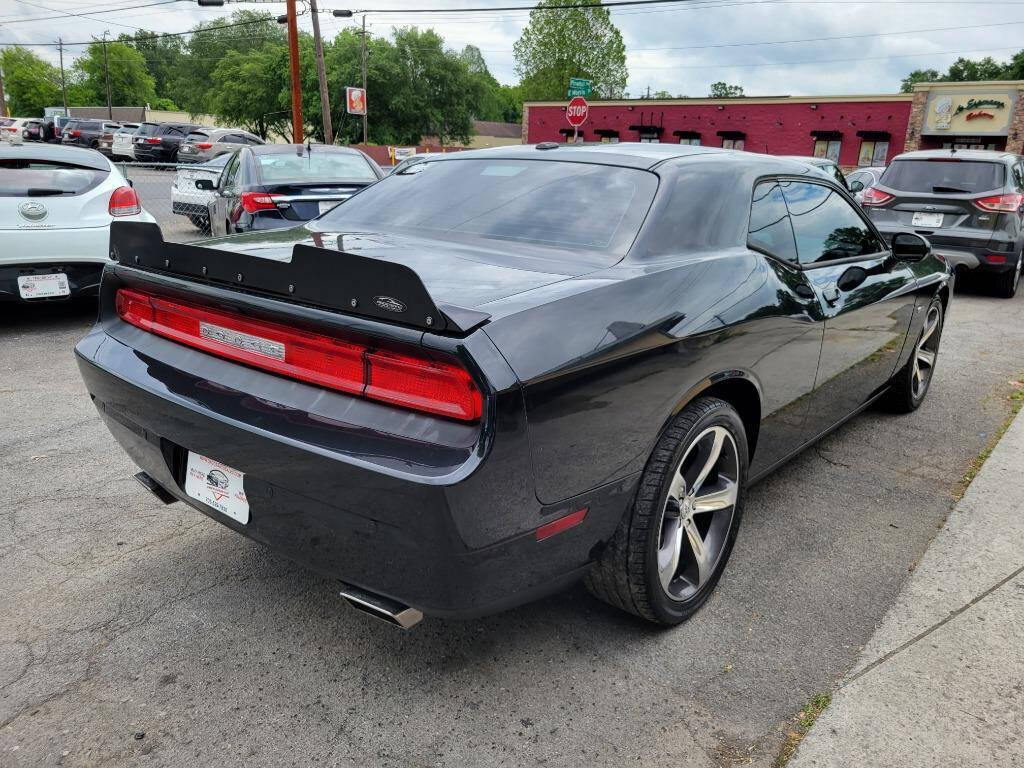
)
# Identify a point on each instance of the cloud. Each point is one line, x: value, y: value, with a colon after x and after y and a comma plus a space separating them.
x: 661, y: 42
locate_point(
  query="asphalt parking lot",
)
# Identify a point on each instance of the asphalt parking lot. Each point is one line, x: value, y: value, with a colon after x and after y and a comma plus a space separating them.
x: 139, y: 634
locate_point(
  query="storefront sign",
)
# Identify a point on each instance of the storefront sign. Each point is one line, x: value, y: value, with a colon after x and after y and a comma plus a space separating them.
x: 986, y: 114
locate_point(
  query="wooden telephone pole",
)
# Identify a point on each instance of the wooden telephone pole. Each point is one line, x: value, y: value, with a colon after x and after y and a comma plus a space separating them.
x: 366, y: 104
x: 293, y: 57
x: 321, y: 74
x: 106, y: 75
x: 63, y: 86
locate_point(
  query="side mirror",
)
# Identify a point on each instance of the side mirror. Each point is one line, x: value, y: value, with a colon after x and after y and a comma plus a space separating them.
x: 856, y: 186
x: 205, y: 185
x: 907, y: 246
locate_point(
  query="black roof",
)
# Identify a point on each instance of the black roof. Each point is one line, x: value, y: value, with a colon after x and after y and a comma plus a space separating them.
x: 285, y: 149
x: 635, y: 155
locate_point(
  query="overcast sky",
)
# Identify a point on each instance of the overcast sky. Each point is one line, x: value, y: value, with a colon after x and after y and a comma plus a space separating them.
x: 679, y: 47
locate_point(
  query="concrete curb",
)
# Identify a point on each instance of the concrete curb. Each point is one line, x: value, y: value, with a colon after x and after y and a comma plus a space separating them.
x: 942, y: 679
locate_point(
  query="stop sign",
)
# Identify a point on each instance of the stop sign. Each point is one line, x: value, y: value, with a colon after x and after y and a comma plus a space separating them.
x: 576, y: 112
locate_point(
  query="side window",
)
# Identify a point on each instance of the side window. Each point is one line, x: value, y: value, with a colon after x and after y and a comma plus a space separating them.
x: 230, y: 172
x: 770, y: 229
x: 826, y: 226
x: 231, y: 138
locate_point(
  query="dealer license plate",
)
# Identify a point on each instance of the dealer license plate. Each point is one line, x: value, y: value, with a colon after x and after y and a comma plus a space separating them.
x: 43, y: 286
x: 922, y: 219
x: 217, y: 485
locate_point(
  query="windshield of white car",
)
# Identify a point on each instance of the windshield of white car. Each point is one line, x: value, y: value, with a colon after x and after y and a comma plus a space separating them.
x: 23, y: 177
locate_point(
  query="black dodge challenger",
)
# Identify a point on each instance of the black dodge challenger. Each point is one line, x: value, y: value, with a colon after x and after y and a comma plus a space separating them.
x: 495, y: 373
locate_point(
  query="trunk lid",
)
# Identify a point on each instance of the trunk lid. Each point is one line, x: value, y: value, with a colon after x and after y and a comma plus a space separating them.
x: 936, y: 198
x: 466, y: 275
x: 301, y: 201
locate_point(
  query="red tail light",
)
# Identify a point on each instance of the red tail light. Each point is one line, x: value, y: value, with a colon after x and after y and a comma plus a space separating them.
x: 408, y: 380
x: 873, y: 196
x: 76, y: 134
x: 152, y: 140
x: 1000, y: 203
x: 258, y: 201
x: 124, y: 202
x: 204, y: 145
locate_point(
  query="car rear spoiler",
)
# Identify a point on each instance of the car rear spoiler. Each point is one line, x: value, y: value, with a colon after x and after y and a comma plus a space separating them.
x: 327, y: 279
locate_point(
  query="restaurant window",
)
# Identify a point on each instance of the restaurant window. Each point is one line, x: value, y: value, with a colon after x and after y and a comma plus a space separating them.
x: 691, y: 142
x: 732, y: 143
x: 649, y: 137
x: 828, y: 148
x: 873, y: 153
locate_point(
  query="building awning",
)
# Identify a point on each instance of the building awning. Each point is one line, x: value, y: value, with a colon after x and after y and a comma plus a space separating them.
x: 875, y: 135
x: 609, y: 133
x: 652, y: 129
x: 687, y: 134
x: 732, y: 134
x: 827, y: 135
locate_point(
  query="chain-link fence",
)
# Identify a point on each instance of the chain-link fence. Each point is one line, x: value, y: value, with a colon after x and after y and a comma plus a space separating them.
x: 168, y: 192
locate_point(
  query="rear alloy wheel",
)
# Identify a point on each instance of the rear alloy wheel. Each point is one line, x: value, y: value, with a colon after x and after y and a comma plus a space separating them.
x: 1006, y: 282
x: 911, y: 383
x: 670, y: 549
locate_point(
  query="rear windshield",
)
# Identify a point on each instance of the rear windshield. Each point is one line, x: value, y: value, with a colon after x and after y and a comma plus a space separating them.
x: 197, y: 136
x: 937, y: 176
x: 24, y: 177
x: 334, y: 166
x: 147, y: 129
x: 559, y: 204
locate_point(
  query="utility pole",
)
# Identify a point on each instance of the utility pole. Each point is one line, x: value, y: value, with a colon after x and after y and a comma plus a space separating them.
x: 293, y: 59
x: 366, y: 106
x: 321, y: 74
x: 106, y: 75
x: 3, y: 102
x: 63, y: 87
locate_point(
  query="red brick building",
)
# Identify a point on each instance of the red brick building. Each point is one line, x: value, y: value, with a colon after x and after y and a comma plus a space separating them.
x: 853, y: 130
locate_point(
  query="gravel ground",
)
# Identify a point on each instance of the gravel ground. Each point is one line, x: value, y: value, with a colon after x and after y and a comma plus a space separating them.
x: 139, y: 634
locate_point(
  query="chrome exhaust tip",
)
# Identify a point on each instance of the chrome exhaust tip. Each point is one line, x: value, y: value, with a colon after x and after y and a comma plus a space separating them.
x: 380, y: 607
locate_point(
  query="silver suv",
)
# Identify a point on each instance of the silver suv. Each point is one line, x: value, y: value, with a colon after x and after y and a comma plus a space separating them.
x: 207, y: 143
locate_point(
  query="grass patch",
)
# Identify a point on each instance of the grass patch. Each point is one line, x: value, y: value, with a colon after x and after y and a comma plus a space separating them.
x: 801, y: 724
x: 1016, y: 400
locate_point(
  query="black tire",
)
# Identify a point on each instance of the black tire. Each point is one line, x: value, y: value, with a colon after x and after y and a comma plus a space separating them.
x: 626, y: 574
x: 199, y: 222
x: 904, y: 394
x: 1005, y: 284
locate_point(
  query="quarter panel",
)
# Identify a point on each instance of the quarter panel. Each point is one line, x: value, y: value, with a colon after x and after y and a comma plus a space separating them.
x: 604, y: 370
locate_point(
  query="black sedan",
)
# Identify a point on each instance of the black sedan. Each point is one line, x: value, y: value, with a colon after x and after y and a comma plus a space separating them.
x: 281, y: 185
x: 499, y: 372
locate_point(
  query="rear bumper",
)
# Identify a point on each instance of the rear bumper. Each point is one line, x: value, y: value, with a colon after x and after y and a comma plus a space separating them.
x: 189, y: 209
x: 446, y: 530
x: 83, y: 280
x: 996, y: 256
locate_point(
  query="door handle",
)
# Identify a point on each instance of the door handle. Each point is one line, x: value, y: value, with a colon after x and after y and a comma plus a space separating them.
x: 831, y: 294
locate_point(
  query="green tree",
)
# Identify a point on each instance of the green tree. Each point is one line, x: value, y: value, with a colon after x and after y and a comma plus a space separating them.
x: 721, y: 90
x: 192, y: 87
x: 488, y: 102
x: 965, y: 70
x: 164, y: 57
x: 250, y: 89
x: 919, y: 76
x: 579, y: 42
x: 130, y: 81
x: 30, y: 84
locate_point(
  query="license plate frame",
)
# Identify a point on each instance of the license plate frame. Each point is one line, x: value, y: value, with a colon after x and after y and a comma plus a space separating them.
x: 217, y: 485
x: 926, y: 219
x: 43, y: 286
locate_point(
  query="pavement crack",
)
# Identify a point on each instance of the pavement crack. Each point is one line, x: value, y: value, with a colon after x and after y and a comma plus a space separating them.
x: 937, y: 625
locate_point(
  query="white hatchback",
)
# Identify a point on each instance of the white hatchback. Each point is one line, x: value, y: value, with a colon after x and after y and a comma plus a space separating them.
x: 56, y: 205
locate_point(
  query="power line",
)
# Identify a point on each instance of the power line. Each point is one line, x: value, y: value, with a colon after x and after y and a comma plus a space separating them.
x: 65, y: 14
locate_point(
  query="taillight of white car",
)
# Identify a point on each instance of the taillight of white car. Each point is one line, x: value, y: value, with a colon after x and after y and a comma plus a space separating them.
x: 124, y: 202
